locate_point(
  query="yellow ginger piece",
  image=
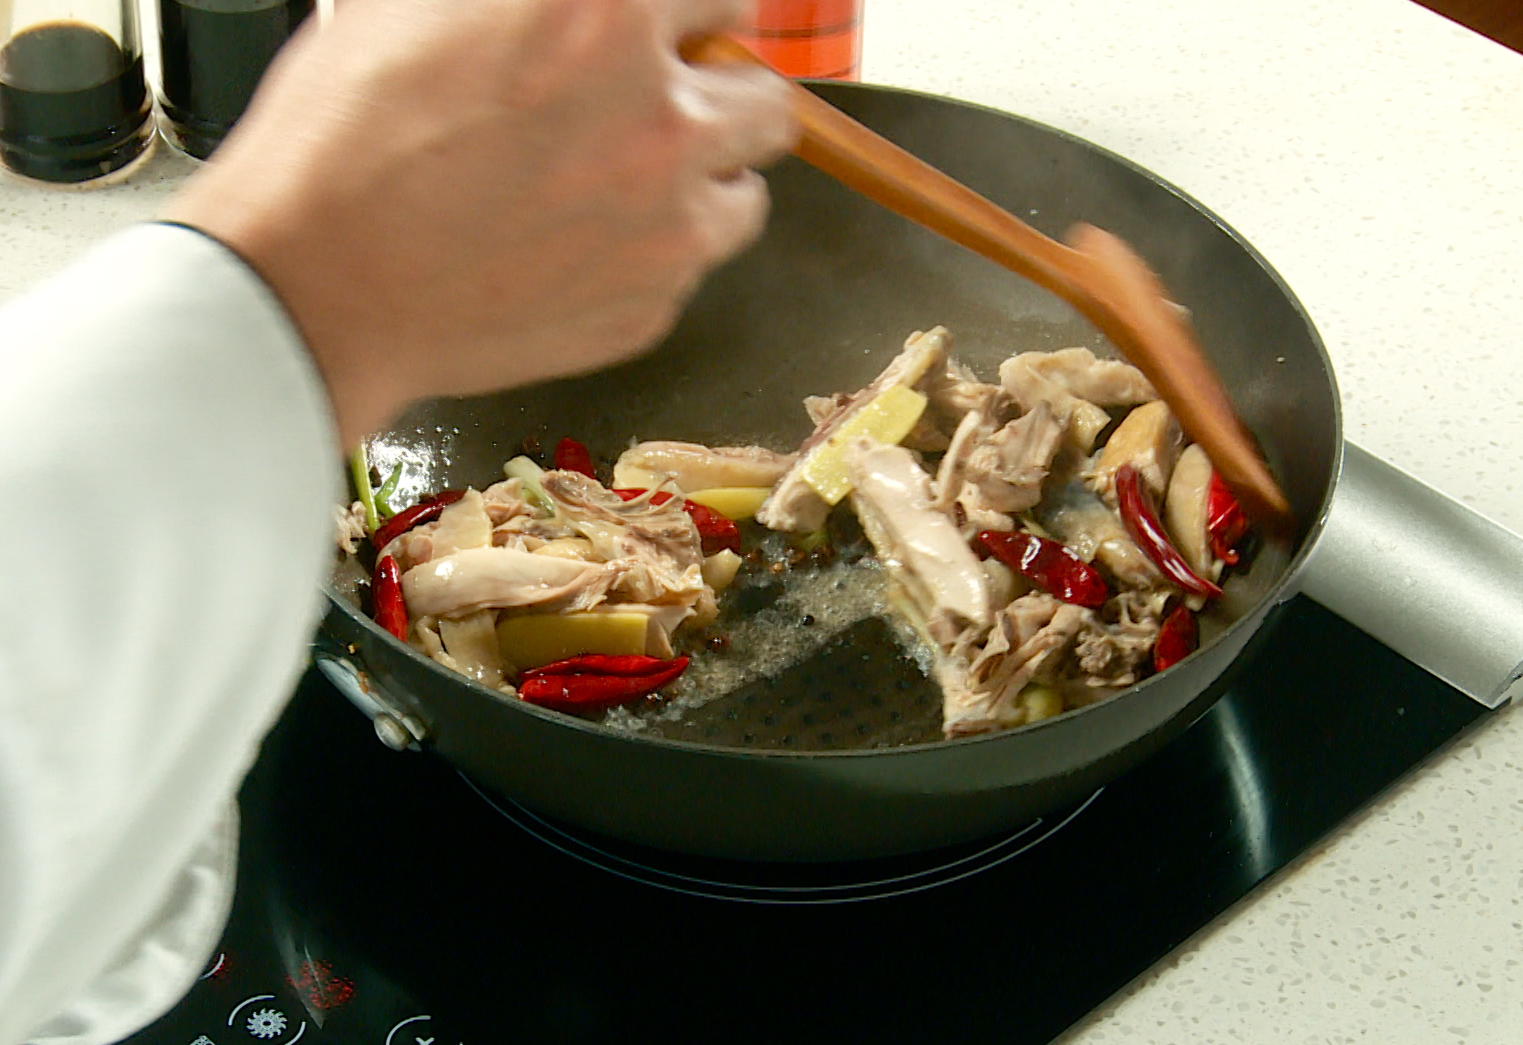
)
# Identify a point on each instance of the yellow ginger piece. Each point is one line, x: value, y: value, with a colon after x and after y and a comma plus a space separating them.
x: 888, y: 419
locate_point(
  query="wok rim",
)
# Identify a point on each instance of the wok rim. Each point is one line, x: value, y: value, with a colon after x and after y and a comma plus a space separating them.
x: 1254, y: 615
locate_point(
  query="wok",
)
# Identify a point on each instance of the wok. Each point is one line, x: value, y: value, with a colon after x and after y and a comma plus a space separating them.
x: 786, y: 768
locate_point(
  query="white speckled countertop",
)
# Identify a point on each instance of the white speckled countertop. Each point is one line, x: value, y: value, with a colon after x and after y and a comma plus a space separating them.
x: 1374, y: 153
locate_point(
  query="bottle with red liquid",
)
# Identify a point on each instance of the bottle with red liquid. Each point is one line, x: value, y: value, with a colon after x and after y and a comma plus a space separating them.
x: 820, y: 39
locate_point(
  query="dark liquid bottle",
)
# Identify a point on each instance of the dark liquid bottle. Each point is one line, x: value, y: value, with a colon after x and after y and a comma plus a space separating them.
x: 214, y: 53
x: 73, y: 103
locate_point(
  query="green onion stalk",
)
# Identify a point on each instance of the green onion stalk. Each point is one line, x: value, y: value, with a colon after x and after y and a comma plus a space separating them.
x: 383, y: 495
x: 359, y: 472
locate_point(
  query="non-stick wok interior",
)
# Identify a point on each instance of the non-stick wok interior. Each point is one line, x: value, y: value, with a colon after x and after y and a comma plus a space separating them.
x: 821, y: 304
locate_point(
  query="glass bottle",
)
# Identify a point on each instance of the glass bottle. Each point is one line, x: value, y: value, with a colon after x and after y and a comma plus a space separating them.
x: 73, y: 101
x: 214, y: 53
x: 812, y: 38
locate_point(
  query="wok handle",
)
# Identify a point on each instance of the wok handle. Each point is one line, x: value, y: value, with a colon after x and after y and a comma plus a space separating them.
x: 394, y: 726
x: 1435, y: 581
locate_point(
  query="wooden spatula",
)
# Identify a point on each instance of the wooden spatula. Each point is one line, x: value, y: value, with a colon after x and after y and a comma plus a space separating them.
x: 1096, y: 272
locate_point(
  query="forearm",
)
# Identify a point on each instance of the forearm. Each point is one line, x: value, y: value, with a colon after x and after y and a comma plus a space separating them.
x: 170, y: 466
x: 447, y: 199
x: 457, y: 198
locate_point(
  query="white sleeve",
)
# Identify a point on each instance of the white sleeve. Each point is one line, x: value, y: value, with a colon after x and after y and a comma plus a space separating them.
x: 168, y: 467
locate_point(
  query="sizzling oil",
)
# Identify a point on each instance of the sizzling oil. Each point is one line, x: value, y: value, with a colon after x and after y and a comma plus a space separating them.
x: 811, y: 663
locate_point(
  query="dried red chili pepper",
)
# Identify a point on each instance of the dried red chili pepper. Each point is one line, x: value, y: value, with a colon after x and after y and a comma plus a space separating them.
x: 586, y: 691
x: 1177, y: 638
x: 716, y: 532
x: 1050, y: 565
x: 1142, y: 523
x: 572, y: 456
x: 1226, y: 522
x: 386, y: 597
x: 601, y: 664
x: 659, y: 497
x: 417, y: 515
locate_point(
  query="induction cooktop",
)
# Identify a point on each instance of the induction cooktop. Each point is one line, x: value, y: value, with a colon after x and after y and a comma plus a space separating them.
x: 384, y: 899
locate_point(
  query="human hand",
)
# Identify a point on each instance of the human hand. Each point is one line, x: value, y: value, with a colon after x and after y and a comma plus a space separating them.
x: 456, y: 197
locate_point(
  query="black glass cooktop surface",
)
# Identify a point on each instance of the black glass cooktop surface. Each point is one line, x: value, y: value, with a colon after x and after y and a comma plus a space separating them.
x: 382, y: 899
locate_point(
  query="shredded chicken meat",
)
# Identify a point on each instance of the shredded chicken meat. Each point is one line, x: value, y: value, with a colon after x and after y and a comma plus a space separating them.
x: 794, y: 505
x: 492, y: 553
x: 1020, y: 456
x: 1032, y: 459
x: 892, y: 498
x: 694, y: 467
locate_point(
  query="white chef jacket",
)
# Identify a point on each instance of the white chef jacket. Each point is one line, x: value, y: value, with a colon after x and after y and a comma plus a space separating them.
x: 168, y: 467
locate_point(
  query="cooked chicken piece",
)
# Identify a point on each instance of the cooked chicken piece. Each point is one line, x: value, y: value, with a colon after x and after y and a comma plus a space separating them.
x: 977, y: 514
x: 531, y: 531
x: 954, y: 390
x: 413, y: 548
x: 582, y: 500
x: 1035, y: 612
x: 1139, y: 606
x: 524, y: 542
x: 919, y: 545
x: 463, y: 525
x: 424, y: 636
x: 965, y: 711
x: 972, y: 431
x: 1078, y: 518
x: 563, y: 547
x: 1082, y: 419
x: 472, y: 643
x: 794, y: 507
x: 482, y: 578
x: 505, y: 501
x: 1111, y: 654
x: 926, y: 436
x: 349, y: 524
x: 963, y: 647
x: 1149, y: 440
x: 650, y: 580
x: 705, y: 609
x: 1010, y: 466
x: 1184, y: 512
x: 923, y: 353
x: 1004, y: 583
x: 694, y: 467
x: 822, y: 408
x: 1029, y: 637
x: 991, y: 474
x: 657, y: 544
x: 1104, y: 382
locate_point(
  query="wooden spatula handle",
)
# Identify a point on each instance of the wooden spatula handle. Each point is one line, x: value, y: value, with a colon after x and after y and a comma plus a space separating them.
x: 1099, y: 275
